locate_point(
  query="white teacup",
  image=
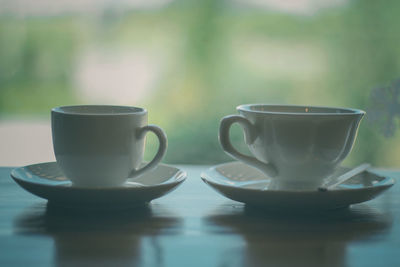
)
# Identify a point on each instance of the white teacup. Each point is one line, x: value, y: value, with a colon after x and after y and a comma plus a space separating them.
x: 100, y: 145
x: 297, y: 146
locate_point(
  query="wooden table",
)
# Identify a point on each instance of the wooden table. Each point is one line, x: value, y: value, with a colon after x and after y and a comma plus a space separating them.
x: 194, y: 226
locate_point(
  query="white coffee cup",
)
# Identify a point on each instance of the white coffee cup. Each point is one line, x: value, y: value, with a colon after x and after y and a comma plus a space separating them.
x: 101, y: 145
x: 297, y: 146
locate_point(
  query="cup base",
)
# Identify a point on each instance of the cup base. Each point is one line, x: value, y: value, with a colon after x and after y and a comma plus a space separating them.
x: 277, y: 184
x: 96, y: 185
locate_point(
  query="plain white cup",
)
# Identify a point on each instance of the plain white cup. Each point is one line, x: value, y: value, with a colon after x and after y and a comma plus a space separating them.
x: 101, y: 145
x: 297, y: 146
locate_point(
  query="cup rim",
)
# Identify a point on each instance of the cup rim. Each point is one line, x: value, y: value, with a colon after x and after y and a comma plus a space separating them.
x: 334, y: 111
x: 117, y: 110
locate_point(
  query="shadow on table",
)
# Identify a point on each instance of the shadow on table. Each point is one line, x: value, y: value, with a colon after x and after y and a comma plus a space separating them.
x: 101, y: 238
x: 296, y: 239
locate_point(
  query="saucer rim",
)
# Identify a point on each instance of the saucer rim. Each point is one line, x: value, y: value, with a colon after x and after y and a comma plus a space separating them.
x: 207, y: 178
x: 101, y: 198
x: 177, y: 178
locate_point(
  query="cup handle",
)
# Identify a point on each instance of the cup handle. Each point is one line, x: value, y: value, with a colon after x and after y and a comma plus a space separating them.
x: 250, y: 136
x: 162, y: 148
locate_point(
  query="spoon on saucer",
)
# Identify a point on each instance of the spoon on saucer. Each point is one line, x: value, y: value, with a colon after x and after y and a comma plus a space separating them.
x: 343, y: 178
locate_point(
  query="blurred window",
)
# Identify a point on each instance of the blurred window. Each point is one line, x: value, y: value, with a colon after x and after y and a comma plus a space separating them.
x: 192, y: 62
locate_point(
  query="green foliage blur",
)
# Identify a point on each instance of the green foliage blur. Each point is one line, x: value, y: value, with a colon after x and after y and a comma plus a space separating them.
x: 215, y: 55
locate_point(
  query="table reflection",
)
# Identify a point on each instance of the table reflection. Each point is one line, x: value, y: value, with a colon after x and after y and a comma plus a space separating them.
x: 93, y: 238
x: 298, y: 239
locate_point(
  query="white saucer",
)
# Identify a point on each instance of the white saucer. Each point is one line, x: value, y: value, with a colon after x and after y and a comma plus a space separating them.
x: 246, y: 184
x: 47, y: 181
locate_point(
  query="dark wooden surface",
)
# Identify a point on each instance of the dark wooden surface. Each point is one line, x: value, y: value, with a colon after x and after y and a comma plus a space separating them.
x: 194, y: 226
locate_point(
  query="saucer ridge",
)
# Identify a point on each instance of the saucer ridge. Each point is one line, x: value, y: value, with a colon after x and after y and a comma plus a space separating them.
x: 243, y: 183
x: 47, y: 181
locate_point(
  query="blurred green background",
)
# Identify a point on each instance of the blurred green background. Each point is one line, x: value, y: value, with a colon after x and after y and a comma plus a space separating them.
x: 192, y: 62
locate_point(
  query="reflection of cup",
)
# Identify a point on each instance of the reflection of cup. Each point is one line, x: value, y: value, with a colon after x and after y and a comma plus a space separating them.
x: 299, y: 145
x: 102, y: 145
x: 296, y: 239
x: 82, y: 237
